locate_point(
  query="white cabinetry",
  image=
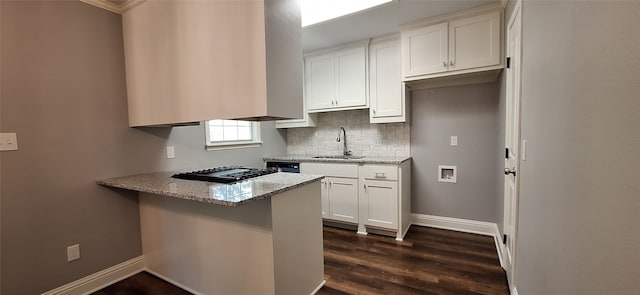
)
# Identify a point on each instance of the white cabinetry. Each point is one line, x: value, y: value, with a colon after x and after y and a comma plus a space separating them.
x: 385, y: 198
x: 375, y: 197
x: 342, y: 196
x: 339, y: 190
x: 337, y: 79
x: 388, y: 97
x: 189, y: 61
x: 464, y: 44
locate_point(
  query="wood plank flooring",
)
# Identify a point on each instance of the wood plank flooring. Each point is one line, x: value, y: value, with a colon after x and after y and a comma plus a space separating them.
x: 428, y: 261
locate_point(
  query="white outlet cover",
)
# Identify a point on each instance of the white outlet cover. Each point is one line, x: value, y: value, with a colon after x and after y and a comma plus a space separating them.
x: 454, y: 140
x: 73, y: 252
x: 8, y: 142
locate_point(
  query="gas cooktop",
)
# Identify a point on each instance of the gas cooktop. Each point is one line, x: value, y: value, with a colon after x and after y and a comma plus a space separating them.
x: 225, y: 174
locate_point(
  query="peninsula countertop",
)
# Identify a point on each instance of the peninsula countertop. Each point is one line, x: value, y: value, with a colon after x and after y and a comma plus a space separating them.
x: 362, y: 160
x: 235, y: 194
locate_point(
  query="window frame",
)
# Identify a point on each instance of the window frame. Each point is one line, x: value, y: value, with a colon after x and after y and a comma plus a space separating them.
x: 255, y: 141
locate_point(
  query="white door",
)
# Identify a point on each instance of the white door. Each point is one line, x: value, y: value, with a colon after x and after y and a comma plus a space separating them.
x: 512, y: 142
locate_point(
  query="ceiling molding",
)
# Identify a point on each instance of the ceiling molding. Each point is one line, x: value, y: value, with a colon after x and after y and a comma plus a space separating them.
x: 117, y: 7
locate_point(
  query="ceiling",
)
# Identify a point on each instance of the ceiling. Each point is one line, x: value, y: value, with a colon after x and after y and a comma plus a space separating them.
x: 378, y: 21
x: 373, y: 22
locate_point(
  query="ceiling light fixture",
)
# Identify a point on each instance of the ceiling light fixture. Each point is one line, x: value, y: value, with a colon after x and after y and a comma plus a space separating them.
x: 316, y: 11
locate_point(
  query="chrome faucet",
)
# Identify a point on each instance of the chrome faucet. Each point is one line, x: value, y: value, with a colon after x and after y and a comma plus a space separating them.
x: 345, y: 152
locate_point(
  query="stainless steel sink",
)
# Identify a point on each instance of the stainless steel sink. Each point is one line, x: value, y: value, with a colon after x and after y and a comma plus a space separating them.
x: 338, y: 157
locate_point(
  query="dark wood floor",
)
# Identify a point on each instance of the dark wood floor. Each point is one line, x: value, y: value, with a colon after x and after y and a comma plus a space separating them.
x: 428, y: 261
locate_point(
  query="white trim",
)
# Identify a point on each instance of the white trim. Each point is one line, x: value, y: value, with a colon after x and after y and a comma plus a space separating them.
x: 319, y: 287
x: 461, y: 225
x: 404, y: 233
x: 497, y: 238
x: 117, y: 8
x: 101, y: 279
x: 173, y: 282
x: 514, y: 291
x: 457, y: 224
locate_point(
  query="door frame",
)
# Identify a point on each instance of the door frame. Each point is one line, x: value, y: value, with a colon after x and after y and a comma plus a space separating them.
x: 516, y: 64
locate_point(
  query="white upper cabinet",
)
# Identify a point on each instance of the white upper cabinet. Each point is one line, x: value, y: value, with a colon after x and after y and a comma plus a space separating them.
x: 474, y: 42
x: 191, y: 61
x: 387, y: 95
x: 458, y: 46
x: 425, y: 50
x: 337, y: 79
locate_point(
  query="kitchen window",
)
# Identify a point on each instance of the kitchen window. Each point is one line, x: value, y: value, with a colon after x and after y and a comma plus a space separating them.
x: 229, y: 134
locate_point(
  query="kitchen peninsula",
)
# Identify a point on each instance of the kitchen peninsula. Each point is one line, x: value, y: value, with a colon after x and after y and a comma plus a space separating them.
x: 257, y: 236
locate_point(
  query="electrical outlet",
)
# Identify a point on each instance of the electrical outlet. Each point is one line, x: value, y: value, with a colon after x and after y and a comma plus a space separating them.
x: 8, y: 142
x: 171, y: 152
x: 73, y: 252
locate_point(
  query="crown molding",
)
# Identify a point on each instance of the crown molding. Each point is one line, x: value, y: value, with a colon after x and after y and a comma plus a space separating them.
x: 114, y: 7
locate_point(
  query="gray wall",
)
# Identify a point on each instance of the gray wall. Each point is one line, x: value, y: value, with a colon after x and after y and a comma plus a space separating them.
x: 580, y: 194
x: 471, y: 113
x: 63, y: 92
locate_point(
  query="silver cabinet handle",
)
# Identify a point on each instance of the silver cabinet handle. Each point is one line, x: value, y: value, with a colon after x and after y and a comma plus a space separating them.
x: 374, y: 112
x: 508, y: 171
x: 380, y: 174
x: 452, y: 63
x: 444, y: 63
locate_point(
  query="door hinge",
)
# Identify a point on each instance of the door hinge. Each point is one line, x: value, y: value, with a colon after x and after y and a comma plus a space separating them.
x: 506, y: 153
x: 508, y: 62
x: 504, y: 239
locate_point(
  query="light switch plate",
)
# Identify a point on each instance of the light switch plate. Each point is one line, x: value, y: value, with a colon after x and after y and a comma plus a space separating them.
x: 454, y: 140
x: 8, y: 142
x: 171, y: 152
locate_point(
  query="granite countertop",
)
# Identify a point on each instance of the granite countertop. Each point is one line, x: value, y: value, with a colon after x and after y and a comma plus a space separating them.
x: 235, y: 194
x: 365, y: 160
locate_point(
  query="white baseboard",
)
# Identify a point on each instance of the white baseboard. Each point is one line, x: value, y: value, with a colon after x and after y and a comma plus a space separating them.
x: 319, y: 287
x: 497, y: 237
x: 461, y: 225
x: 173, y: 282
x: 101, y: 279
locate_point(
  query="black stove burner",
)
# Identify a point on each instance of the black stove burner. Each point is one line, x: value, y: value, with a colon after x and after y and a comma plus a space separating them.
x: 225, y: 174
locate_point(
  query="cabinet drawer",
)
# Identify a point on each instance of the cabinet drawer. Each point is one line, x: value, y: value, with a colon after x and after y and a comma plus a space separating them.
x: 331, y: 170
x: 379, y: 172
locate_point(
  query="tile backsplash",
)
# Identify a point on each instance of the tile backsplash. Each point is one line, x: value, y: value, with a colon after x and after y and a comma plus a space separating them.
x: 363, y: 138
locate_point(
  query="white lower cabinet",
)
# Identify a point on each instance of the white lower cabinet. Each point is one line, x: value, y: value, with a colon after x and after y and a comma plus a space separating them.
x: 379, y: 201
x: 339, y: 190
x: 342, y: 198
x: 375, y: 197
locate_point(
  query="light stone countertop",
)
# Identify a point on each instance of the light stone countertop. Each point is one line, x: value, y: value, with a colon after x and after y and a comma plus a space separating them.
x: 365, y: 160
x: 234, y: 194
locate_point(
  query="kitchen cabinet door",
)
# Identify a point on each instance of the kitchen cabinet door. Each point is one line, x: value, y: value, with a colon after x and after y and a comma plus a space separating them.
x: 320, y: 80
x: 474, y: 42
x: 343, y: 199
x: 463, y: 44
x: 425, y: 50
x: 380, y: 203
x: 387, y: 99
x: 351, y: 78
